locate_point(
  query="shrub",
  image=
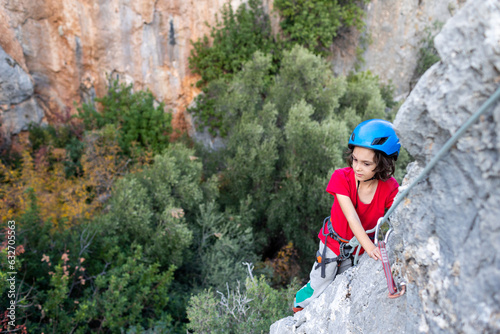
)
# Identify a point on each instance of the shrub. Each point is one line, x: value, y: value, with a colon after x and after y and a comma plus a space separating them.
x: 305, y: 76
x: 284, y: 139
x: 362, y: 99
x: 233, y: 41
x: 150, y: 207
x: 427, y: 54
x: 249, y: 309
x: 140, y: 123
x: 315, y: 23
x: 222, y: 242
x: 78, y: 278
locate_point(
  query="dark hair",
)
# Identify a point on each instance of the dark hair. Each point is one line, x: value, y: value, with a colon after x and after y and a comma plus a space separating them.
x: 385, y: 164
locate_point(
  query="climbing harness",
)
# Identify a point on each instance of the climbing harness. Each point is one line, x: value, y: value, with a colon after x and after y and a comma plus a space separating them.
x: 346, y: 248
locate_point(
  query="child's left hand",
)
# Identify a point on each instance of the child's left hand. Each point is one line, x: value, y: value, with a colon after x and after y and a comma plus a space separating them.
x: 375, y: 253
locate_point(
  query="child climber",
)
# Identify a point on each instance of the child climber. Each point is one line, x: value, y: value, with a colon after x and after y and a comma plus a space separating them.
x: 362, y: 192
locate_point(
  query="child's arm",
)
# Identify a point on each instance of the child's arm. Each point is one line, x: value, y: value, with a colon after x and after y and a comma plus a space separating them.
x: 356, y: 227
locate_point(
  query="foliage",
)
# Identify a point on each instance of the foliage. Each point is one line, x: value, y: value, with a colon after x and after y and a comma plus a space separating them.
x: 427, y: 54
x: 315, y: 23
x: 141, y: 124
x: 223, y: 240
x: 249, y: 309
x: 305, y: 76
x: 362, y: 99
x: 149, y: 207
x: 79, y: 278
x: 284, y: 265
x: 134, y: 291
x: 66, y: 200
x: 233, y: 41
x: 61, y: 141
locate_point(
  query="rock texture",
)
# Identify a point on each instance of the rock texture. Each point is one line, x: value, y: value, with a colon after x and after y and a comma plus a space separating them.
x: 17, y: 106
x: 70, y: 47
x: 394, y: 35
x: 451, y: 246
x: 445, y: 244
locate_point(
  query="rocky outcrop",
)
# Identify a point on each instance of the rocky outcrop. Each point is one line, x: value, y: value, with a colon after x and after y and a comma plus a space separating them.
x: 18, y: 108
x: 394, y: 33
x: 445, y: 244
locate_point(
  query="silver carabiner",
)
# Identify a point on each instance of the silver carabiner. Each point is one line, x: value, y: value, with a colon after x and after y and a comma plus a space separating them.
x: 381, y: 222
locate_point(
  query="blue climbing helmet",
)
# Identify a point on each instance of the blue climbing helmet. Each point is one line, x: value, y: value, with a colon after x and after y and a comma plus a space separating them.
x: 376, y: 134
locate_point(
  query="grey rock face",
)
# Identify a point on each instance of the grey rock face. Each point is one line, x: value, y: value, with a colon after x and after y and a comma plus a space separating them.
x: 15, y: 84
x: 447, y: 231
x: 19, y: 116
x: 396, y: 30
x: 18, y: 108
x: 356, y: 302
x: 451, y: 226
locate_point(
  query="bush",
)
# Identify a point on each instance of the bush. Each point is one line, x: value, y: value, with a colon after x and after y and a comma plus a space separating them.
x: 312, y: 24
x: 150, y: 207
x: 222, y: 242
x: 249, y: 309
x: 305, y: 76
x: 234, y: 41
x: 362, y: 99
x: 140, y: 123
x: 427, y: 54
x: 79, y: 278
x: 315, y: 23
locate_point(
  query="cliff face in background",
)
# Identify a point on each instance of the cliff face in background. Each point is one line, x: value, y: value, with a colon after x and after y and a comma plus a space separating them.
x: 395, y: 31
x: 67, y: 48
x: 445, y: 244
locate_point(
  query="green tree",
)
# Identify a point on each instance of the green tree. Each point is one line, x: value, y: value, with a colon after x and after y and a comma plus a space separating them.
x: 315, y: 23
x: 305, y: 76
x: 136, y: 116
x: 223, y: 242
x: 150, y: 207
x: 232, y: 42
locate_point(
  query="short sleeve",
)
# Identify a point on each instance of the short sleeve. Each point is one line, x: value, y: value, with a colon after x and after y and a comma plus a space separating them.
x: 394, y: 191
x: 338, y: 183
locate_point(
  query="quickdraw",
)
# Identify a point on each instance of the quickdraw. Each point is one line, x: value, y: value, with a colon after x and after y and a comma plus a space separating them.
x: 391, y: 285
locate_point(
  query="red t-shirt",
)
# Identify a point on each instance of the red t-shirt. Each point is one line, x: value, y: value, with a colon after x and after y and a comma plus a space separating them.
x: 343, y: 182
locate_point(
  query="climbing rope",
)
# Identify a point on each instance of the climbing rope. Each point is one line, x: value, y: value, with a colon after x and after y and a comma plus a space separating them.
x: 394, y: 292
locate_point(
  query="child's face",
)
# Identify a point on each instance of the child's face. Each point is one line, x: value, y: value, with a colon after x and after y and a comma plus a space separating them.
x: 363, y: 163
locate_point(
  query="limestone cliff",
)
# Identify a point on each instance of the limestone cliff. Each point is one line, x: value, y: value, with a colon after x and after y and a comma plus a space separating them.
x: 67, y: 48
x: 447, y: 229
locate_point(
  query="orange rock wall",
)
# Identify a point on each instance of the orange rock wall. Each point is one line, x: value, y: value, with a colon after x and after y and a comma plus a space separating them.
x: 70, y: 47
